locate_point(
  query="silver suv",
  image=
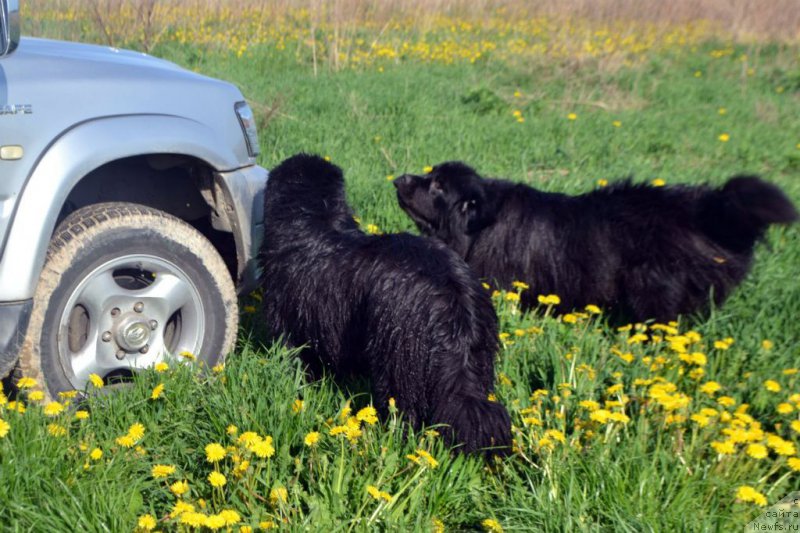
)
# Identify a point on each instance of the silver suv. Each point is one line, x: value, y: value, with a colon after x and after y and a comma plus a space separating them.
x: 130, y: 210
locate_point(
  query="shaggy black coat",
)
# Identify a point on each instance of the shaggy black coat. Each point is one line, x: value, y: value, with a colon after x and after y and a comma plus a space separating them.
x: 404, y: 310
x: 644, y: 252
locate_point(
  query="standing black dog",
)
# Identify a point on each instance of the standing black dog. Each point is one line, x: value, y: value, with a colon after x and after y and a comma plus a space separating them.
x: 404, y: 310
x: 644, y: 252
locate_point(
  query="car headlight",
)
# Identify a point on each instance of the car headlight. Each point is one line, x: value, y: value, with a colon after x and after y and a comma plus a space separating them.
x: 248, y: 122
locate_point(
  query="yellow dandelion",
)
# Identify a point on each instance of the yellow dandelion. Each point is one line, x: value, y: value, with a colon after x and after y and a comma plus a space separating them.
x: 298, y: 405
x: 56, y: 430
x: 181, y: 507
x: 749, y: 494
x: 757, y: 451
x: 311, y: 439
x: 710, y: 387
x: 658, y: 182
x: 147, y: 522
x: 96, y: 454
x: 217, y: 479
x: 724, y: 137
x: 159, y: 471
x: 230, y: 516
x: 54, y: 409
x: 512, y: 297
x: 726, y: 401
x: 161, y: 367
x: 264, y: 448
x: 617, y: 124
x: 772, y: 385
x: 4, y: 428
x: 368, y: 415
x: 35, y: 396
x: 232, y: 430
x: 215, y: 452
x: 96, y: 380
x: 81, y: 414
x: 491, y: 525
x: 26, y: 383
x: 179, y: 488
x: 794, y: 463
x: 126, y: 441
x: 724, y: 447
x: 572, y: 116
x: 426, y: 169
x: 158, y: 390
x: 220, y: 367
x: 520, y: 285
x: 784, y: 408
x: 278, y: 495
x: 602, y: 182
x: 136, y: 431
x: 593, y: 309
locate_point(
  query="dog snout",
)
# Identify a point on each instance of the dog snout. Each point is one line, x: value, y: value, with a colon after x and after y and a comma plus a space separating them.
x: 403, y: 182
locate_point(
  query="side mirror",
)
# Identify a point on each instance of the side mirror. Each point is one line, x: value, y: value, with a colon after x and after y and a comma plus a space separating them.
x: 9, y: 26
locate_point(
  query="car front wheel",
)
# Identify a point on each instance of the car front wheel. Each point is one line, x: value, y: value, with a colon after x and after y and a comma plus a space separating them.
x: 124, y: 287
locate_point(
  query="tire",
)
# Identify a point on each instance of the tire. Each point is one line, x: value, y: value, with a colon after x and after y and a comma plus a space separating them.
x: 123, y: 287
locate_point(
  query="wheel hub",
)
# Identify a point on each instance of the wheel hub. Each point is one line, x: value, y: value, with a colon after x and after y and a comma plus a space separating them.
x: 132, y: 333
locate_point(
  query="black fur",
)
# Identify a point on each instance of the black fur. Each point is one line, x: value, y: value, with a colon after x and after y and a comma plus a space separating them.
x: 644, y: 252
x: 404, y: 310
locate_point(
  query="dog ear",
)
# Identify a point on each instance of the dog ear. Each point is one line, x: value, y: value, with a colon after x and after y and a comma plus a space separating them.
x: 477, y: 212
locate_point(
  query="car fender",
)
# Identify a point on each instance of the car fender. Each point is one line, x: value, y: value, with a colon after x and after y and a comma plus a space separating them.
x: 72, y: 156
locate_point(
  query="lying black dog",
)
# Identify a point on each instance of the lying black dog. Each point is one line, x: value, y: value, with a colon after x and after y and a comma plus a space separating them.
x: 644, y: 252
x: 404, y: 310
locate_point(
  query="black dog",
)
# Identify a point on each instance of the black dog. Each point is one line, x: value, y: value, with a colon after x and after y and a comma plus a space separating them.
x: 644, y: 252
x: 404, y: 310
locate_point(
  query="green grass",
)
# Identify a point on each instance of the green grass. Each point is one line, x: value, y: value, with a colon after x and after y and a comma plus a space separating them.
x: 640, y: 476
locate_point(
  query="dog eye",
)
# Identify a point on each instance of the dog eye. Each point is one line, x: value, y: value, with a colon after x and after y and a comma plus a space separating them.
x: 435, y: 188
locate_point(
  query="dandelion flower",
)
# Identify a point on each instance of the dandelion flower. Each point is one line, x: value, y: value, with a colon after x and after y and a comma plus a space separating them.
x: 263, y: 448
x: 215, y: 452
x: 179, y: 488
x: 724, y: 447
x: 4, y: 428
x: 427, y: 169
x: 298, y: 405
x: 368, y: 415
x: 26, y: 383
x: 96, y: 380
x: 56, y: 430
x: 54, y: 409
x: 136, y: 431
x: 784, y: 408
x: 157, y: 391
x: 593, y: 309
x: 757, y: 451
x: 602, y: 182
x: 161, y: 367
x: 147, y: 522
x: 278, y: 495
x: 126, y: 441
x: 572, y: 116
x: 311, y: 439
x: 710, y: 387
x: 520, y: 285
x: 794, y: 463
x: 749, y: 494
x: 217, y: 480
x: 159, y: 471
x: 617, y: 124
x: 724, y: 137
x: 492, y: 526
x: 658, y: 182
x: 230, y: 516
x: 772, y: 385
x: 232, y: 430
x: 35, y: 396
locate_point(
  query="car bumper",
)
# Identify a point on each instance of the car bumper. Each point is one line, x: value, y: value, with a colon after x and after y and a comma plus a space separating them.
x: 244, y: 189
x: 14, y: 317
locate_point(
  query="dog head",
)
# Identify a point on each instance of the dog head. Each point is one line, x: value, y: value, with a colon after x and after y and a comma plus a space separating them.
x: 307, y: 187
x: 451, y: 202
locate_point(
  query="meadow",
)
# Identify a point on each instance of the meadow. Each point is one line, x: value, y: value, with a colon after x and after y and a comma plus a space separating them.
x: 692, y: 425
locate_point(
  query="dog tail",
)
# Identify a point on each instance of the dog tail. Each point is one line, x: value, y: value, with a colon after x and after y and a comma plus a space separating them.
x: 738, y: 213
x: 476, y: 423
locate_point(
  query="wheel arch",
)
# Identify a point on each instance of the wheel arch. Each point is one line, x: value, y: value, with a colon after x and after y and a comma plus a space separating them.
x: 93, y: 161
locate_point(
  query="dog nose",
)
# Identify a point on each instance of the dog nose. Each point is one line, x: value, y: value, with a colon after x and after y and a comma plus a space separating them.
x: 403, y: 181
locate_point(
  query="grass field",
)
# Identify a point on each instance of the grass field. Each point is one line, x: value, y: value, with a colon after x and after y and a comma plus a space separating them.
x: 689, y: 426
